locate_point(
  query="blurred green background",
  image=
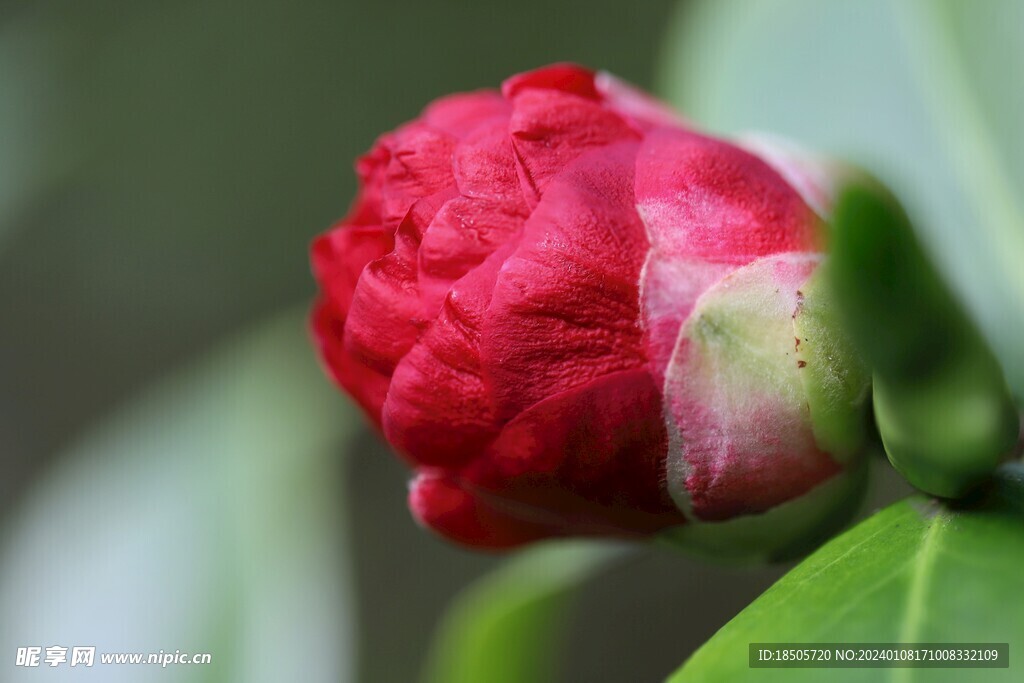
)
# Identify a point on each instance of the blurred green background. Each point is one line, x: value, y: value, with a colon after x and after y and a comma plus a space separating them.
x: 177, y: 473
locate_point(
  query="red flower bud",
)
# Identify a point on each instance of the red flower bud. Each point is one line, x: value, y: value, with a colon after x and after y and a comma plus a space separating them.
x: 572, y: 314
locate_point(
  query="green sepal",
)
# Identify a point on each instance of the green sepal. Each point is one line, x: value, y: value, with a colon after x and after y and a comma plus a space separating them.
x: 836, y: 380
x: 785, y: 532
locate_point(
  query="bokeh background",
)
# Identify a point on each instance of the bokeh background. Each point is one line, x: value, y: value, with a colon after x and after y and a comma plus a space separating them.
x: 176, y: 472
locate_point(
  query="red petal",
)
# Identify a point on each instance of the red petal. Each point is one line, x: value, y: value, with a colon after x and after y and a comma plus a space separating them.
x: 484, y: 164
x: 339, y: 255
x: 568, y: 78
x: 588, y: 461
x: 439, y: 502
x: 705, y: 199
x: 464, y: 233
x: 370, y: 169
x: 458, y: 115
x: 439, y: 410
x: 565, y: 308
x: 386, y: 312
x: 366, y: 386
x: 420, y: 165
x: 415, y: 161
x: 550, y: 128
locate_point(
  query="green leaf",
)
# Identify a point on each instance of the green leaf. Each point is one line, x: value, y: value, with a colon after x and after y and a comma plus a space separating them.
x: 894, y: 304
x: 506, y: 628
x: 942, y: 407
x: 919, y: 571
x: 785, y: 532
x: 916, y: 90
x: 204, y: 517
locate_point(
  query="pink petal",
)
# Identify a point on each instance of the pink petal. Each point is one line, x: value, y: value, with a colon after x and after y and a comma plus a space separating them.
x: 812, y: 176
x: 640, y: 108
x: 705, y: 199
x: 669, y: 288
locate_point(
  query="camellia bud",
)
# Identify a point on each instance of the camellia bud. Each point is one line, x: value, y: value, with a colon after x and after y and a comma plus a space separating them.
x: 574, y: 315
